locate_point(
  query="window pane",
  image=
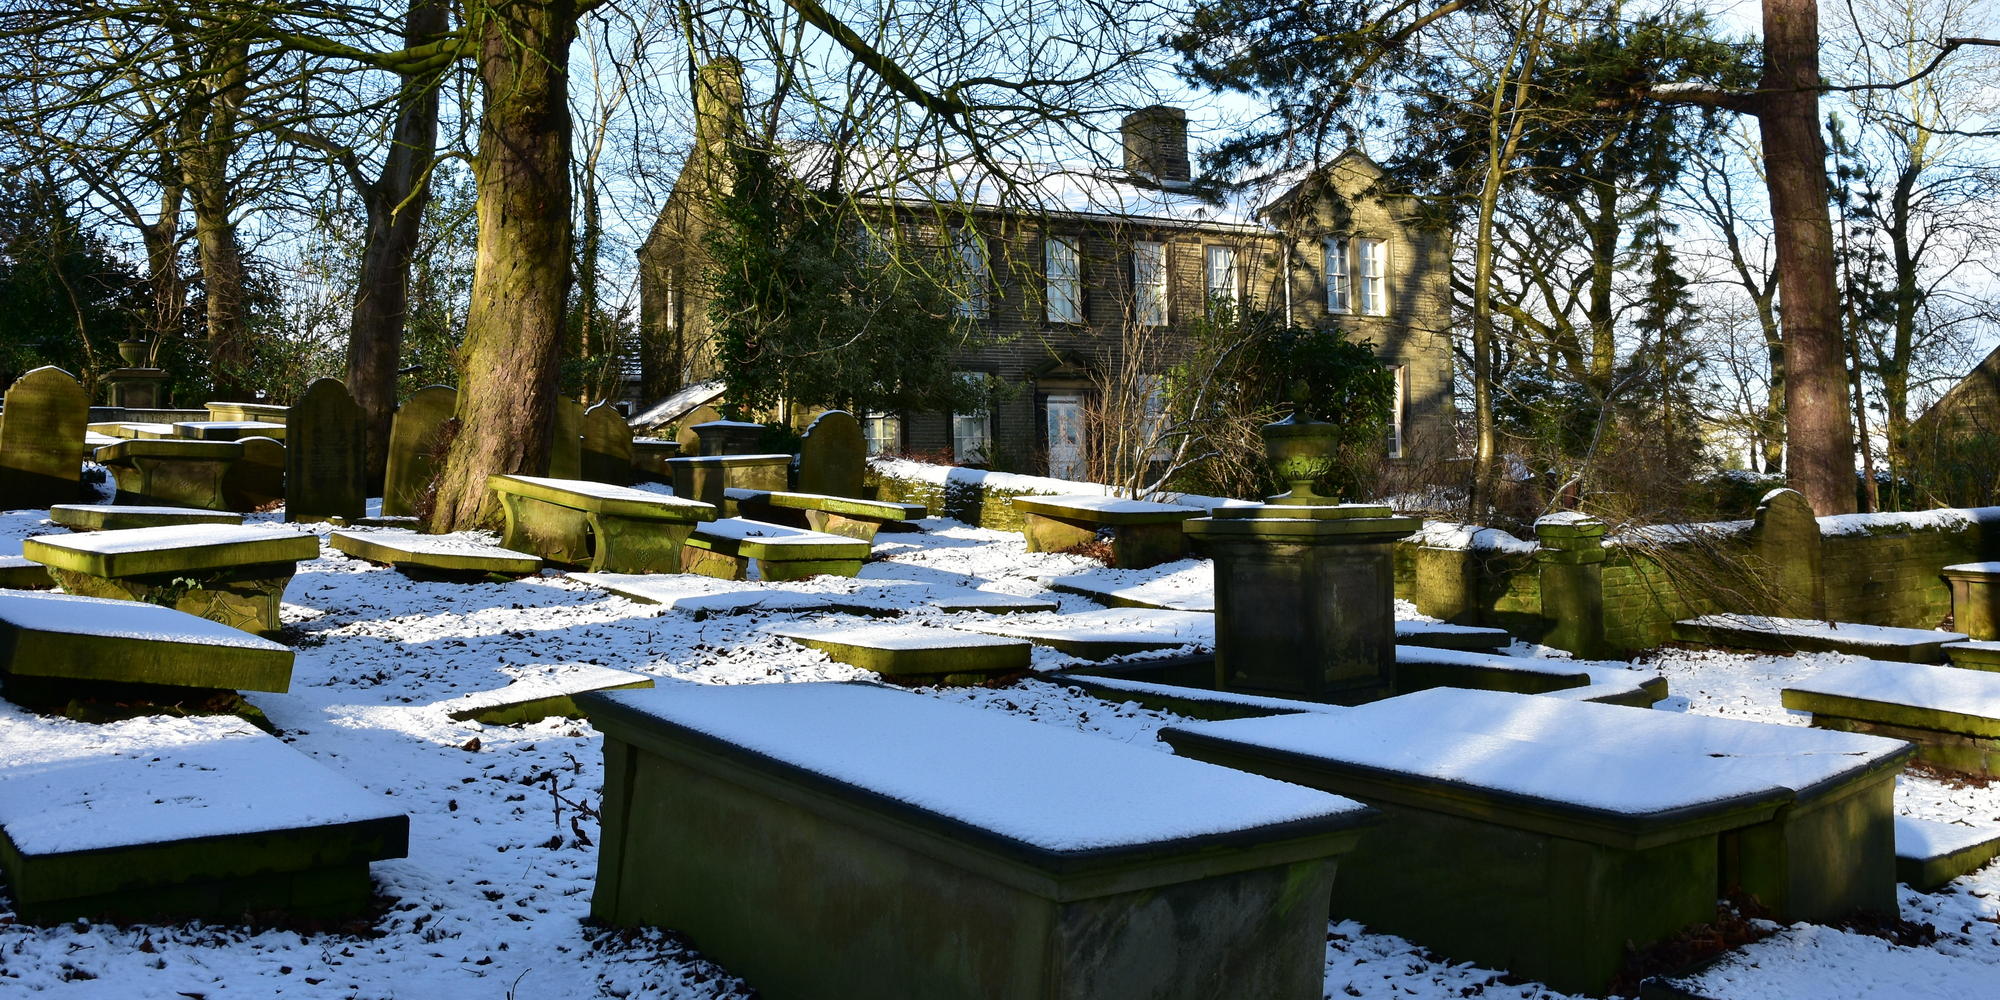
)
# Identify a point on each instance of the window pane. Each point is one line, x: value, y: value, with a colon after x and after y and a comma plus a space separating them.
x: 1061, y: 261
x: 1222, y: 274
x: 1396, y: 409
x: 972, y: 273
x: 1336, y: 277
x: 1149, y: 283
x: 1369, y: 261
x: 883, y: 432
x: 972, y: 430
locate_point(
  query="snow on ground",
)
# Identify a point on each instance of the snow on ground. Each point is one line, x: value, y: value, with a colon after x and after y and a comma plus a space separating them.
x: 494, y: 898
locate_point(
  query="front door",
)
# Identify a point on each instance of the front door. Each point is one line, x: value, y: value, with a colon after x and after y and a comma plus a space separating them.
x: 1062, y: 415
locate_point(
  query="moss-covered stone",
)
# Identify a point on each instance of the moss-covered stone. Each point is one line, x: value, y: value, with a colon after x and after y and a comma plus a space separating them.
x: 86, y: 639
x: 173, y: 472
x: 725, y: 548
x: 914, y: 651
x: 411, y: 551
x: 112, y: 517
x: 611, y: 529
x: 232, y: 575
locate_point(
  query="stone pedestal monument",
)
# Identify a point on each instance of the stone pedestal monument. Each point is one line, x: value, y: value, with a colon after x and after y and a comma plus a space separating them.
x: 1304, y: 599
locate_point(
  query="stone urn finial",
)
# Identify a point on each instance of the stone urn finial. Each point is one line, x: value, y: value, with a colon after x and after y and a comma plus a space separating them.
x: 133, y: 352
x: 1300, y: 450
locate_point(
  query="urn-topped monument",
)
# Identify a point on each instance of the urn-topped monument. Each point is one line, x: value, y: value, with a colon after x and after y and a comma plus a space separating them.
x: 1304, y: 584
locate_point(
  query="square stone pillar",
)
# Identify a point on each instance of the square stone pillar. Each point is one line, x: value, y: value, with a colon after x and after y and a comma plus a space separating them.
x: 1304, y: 599
x: 1570, y: 563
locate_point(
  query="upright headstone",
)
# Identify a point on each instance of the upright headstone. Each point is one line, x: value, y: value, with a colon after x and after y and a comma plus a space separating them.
x: 607, y: 446
x: 415, y: 442
x: 325, y: 455
x: 41, y: 440
x: 566, y: 446
x: 833, y: 455
x: 1786, y: 549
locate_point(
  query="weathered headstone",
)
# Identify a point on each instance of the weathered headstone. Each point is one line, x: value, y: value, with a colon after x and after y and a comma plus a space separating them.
x: 607, y: 446
x: 566, y: 446
x: 325, y: 455
x: 414, y: 440
x: 41, y: 439
x: 832, y: 456
x: 256, y: 479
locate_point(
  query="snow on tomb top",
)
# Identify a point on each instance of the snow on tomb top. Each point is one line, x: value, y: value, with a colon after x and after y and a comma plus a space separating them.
x: 893, y: 637
x: 156, y: 783
x: 1974, y: 567
x: 1406, y: 653
x: 1924, y: 839
x: 461, y: 543
x: 729, y: 423
x: 1035, y: 784
x: 95, y: 616
x: 1565, y: 517
x: 1917, y: 685
x: 1846, y: 633
x: 1607, y: 759
x: 1109, y: 505
x: 739, y: 529
x: 170, y: 536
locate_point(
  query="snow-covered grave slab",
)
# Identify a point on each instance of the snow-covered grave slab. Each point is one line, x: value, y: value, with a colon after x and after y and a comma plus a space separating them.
x: 1420, y: 667
x: 68, y: 638
x: 843, y: 516
x: 1633, y: 695
x: 1952, y: 714
x: 912, y: 651
x: 232, y: 574
x: 1548, y: 836
x: 704, y: 596
x: 541, y: 692
x: 23, y: 573
x: 1098, y: 635
x: 111, y: 517
x: 228, y: 430
x: 93, y: 440
x: 1929, y: 854
x: 1198, y: 703
x: 1802, y: 635
x: 1974, y: 654
x: 133, y: 430
x: 725, y: 548
x: 1141, y: 533
x: 610, y: 529
x: 956, y: 599
x: 462, y: 553
x: 168, y: 820
x: 911, y: 847
x: 1444, y: 635
x: 1190, y: 586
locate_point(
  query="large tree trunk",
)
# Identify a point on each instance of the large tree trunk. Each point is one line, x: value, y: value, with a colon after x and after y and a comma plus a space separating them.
x: 163, y: 270
x: 206, y: 168
x: 1817, y: 429
x: 395, y: 204
x: 514, y: 329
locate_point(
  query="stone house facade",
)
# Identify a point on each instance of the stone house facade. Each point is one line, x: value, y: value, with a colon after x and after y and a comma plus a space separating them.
x: 1065, y: 282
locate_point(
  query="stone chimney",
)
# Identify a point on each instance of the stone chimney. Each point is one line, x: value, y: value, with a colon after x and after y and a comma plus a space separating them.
x: 718, y: 103
x: 1156, y: 144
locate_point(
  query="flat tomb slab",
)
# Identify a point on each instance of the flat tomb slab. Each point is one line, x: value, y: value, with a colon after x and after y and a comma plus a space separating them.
x: 913, y: 650
x: 23, y: 573
x: 705, y: 596
x: 1975, y: 598
x: 228, y: 430
x: 957, y: 599
x: 724, y: 549
x: 1608, y: 693
x: 1444, y: 635
x: 454, y: 553
x: 881, y: 510
x: 1952, y: 714
x: 169, y: 549
x: 92, y: 639
x: 1422, y: 667
x: 993, y: 857
x: 231, y: 822
x: 1097, y: 635
x: 1880, y: 642
x: 603, y: 498
x: 610, y: 529
x: 1105, y: 510
x: 1930, y: 854
x: 1188, y: 589
x: 265, y: 412
x: 111, y: 517
x: 1543, y: 835
x: 1974, y: 654
x: 541, y: 692
x: 1199, y: 703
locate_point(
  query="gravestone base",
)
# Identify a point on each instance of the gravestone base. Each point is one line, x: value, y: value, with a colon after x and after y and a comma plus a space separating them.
x: 1304, y: 600
x: 244, y: 597
x: 1975, y: 599
x: 1940, y: 748
x: 564, y: 535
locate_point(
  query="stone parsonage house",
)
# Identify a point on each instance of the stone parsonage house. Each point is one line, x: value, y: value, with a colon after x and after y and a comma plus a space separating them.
x: 1072, y: 268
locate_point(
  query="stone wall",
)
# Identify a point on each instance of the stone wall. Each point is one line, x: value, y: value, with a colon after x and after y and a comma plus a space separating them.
x: 1876, y: 569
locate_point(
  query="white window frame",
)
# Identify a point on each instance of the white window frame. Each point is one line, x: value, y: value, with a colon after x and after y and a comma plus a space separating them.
x: 882, y: 432
x: 670, y: 313
x: 1371, y: 273
x: 972, y: 432
x: 1062, y: 270
x: 1339, y: 281
x: 1398, y: 409
x: 1221, y: 279
x: 969, y: 248
x: 1149, y: 283
x: 1153, y: 415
